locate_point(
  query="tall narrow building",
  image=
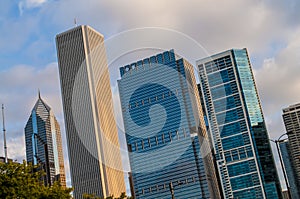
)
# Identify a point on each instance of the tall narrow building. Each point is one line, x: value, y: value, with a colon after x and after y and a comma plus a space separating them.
x: 291, y: 118
x: 43, y: 143
x: 169, y: 151
x: 237, y: 126
x: 92, y: 136
x: 289, y: 168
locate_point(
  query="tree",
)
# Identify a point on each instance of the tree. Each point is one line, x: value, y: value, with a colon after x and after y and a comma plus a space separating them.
x: 17, y: 180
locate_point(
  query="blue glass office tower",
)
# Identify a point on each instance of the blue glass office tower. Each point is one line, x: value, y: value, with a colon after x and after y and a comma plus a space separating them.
x: 289, y: 168
x: 242, y: 149
x: 165, y: 131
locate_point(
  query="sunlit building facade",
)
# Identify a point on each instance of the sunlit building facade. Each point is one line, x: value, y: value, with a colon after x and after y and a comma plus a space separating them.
x: 92, y: 136
x: 167, y: 141
x: 235, y: 120
x: 44, y: 144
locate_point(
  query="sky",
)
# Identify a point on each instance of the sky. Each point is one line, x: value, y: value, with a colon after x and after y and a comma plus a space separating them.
x: 269, y: 29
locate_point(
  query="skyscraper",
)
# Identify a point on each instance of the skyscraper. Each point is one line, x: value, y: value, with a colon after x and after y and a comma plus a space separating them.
x: 236, y: 123
x: 92, y: 136
x: 43, y: 143
x: 289, y: 168
x: 167, y: 141
x: 291, y: 118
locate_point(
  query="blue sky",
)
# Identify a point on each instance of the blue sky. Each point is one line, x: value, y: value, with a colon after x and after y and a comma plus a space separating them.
x: 270, y: 29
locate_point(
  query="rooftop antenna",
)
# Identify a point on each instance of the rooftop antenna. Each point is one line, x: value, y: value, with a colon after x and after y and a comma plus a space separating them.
x: 75, y: 22
x: 4, y: 134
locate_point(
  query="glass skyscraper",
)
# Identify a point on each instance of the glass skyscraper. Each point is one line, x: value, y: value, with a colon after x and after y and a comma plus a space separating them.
x: 92, y: 136
x: 169, y: 151
x: 289, y: 168
x: 43, y: 143
x: 235, y: 120
x: 291, y: 118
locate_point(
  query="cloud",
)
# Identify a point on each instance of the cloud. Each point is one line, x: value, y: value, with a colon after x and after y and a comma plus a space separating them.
x: 278, y: 82
x: 253, y: 24
x: 28, y: 4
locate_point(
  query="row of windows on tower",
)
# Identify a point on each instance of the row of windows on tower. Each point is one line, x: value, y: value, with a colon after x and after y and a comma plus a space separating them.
x: 157, y: 140
x: 151, y: 99
x: 165, y: 186
x: 238, y: 154
x: 218, y: 64
x: 157, y: 60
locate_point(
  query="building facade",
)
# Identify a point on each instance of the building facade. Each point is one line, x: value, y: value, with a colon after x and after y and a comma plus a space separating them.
x: 289, y: 168
x: 92, y: 136
x: 291, y: 118
x: 169, y: 151
x: 241, y: 143
x: 44, y: 144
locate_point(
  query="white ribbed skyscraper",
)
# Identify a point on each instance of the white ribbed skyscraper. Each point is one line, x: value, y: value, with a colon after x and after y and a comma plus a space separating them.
x: 93, y: 145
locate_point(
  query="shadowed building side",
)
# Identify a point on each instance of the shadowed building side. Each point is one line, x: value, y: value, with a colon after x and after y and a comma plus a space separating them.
x: 291, y: 118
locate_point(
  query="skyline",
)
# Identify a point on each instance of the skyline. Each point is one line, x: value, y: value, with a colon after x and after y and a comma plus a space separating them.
x: 28, y: 56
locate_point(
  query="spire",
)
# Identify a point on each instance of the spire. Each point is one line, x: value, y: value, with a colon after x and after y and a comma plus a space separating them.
x: 40, y: 101
x: 39, y: 93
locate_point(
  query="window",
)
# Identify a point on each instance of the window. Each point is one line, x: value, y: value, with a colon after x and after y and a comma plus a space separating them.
x: 129, y: 148
x: 142, y: 142
x: 149, y: 142
x: 136, y: 146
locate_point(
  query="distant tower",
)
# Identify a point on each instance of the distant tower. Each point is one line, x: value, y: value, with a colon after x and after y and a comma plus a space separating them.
x: 43, y: 143
x: 92, y: 135
x: 291, y: 118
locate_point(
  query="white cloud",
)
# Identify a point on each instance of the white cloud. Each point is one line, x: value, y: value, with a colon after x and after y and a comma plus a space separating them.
x: 28, y: 4
x: 279, y: 84
x: 214, y: 24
